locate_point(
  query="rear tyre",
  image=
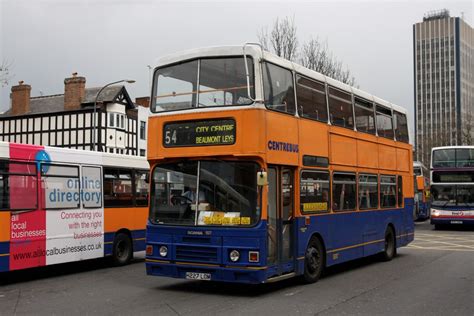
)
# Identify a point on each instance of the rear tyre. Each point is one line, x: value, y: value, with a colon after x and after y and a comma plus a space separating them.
x: 122, y: 252
x: 390, y: 249
x: 314, y: 261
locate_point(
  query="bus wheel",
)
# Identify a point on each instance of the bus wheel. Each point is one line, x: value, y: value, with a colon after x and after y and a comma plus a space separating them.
x: 123, y: 250
x: 390, y: 249
x: 313, y: 261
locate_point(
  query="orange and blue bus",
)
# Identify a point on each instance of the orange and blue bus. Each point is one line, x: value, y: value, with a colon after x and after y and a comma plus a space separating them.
x: 61, y: 205
x: 452, y: 185
x: 422, y: 209
x: 262, y: 169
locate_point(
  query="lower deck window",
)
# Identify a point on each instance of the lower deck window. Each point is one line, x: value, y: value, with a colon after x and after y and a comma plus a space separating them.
x: 314, y: 191
x: 388, y: 189
x: 344, y: 192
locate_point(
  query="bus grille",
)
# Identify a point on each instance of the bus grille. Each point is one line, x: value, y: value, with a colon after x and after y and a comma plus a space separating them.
x: 191, y: 253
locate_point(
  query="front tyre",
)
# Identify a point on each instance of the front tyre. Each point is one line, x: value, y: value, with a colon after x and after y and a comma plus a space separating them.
x: 314, y: 261
x: 122, y: 252
x: 390, y: 249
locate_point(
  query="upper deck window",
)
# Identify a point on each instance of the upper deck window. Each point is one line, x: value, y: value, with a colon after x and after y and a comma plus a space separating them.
x: 202, y: 83
x: 401, y: 126
x: 384, y: 122
x: 279, y: 90
x: 311, y: 97
x: 364, y: 113
x: 453, y: 157
x: 340, y: 108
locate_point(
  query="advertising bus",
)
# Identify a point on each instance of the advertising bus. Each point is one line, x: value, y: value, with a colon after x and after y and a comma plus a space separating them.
x: 452, y: 185
x: 61, y: 205
x: 422, y: 207
x: 263, y: 170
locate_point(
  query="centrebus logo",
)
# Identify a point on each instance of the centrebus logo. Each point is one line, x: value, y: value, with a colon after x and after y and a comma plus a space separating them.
x: 282, y: 146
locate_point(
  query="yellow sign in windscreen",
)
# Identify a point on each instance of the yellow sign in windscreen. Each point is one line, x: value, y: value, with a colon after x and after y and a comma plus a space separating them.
x: 315, y: 207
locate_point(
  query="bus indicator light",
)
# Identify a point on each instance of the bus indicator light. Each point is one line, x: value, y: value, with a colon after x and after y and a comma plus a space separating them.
x: 149, y: 250
x: 253, y: 256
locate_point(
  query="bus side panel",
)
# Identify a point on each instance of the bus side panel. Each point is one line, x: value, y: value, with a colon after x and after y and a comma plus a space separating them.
x: 133, y: 219
x: 4, y: 240
x: 28, y: 229
x: 341, y: 235
x: 282, y: 143
x: 342, y: 150
x: 367, y: 154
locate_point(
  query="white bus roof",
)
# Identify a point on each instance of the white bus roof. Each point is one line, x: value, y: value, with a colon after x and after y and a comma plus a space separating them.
x: 254, y: 51
x: 452, y: 147
x: 67, y: 155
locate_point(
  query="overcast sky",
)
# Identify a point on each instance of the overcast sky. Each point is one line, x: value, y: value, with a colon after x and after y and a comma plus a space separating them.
x: 108, y: 40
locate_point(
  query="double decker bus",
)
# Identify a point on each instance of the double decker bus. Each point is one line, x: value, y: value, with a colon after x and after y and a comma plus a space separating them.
x: 422, y: 207
x: 452, y: 185
x: 61, y: 205
x: 263, y: 170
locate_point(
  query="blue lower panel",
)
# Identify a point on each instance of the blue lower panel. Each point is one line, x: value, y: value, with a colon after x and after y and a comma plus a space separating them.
x: 4, y: 256
x: 109, y: 243
x: 138, y: 238
x: 217, y: 273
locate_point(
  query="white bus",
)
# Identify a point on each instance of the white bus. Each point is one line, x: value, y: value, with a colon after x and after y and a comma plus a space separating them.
x: 62, y: 205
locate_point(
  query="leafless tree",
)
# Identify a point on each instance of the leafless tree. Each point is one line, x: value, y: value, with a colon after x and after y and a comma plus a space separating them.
x: 5, y: 74
x: 314, y: 54
x: 467, y: 129
x: 282, y: 39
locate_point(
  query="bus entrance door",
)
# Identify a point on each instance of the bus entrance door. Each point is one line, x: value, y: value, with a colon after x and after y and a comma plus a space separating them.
x: 280, y: 220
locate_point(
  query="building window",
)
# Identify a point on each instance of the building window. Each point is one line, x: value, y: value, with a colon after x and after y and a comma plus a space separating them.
x: 142, y: 152
x: 111, y: 119
x: 142, y: 130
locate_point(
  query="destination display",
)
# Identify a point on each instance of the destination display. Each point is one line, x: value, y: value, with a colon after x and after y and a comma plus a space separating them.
x: 199, y: 133
x: 453, y: 177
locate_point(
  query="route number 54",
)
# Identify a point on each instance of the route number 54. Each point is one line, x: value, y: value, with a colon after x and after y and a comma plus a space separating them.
x: 170, y: 136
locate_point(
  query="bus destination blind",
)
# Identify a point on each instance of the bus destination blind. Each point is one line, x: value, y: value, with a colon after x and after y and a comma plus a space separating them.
x: 199, y: 133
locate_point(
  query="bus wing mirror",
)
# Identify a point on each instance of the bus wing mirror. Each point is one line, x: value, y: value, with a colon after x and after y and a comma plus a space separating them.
x: 262, y: 178
x: 420, y: 183
x: 147, y: 177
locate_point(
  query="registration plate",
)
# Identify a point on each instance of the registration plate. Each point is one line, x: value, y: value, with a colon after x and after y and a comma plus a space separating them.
x: 456, y: 222
x: 198, y: 276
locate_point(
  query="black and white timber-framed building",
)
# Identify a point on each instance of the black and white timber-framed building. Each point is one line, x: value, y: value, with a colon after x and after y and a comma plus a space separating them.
x: 67, y: 120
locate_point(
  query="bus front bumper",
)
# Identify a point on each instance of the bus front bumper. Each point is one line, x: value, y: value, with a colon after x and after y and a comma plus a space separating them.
x: 451, y: 221
x: 188, y: 270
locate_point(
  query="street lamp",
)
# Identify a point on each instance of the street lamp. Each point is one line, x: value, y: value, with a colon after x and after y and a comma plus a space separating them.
x: 95, y: 108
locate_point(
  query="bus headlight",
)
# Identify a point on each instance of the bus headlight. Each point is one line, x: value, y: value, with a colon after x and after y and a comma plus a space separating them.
x: 163, y: 251
x: 234, y: 256
x: 435, y: 213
